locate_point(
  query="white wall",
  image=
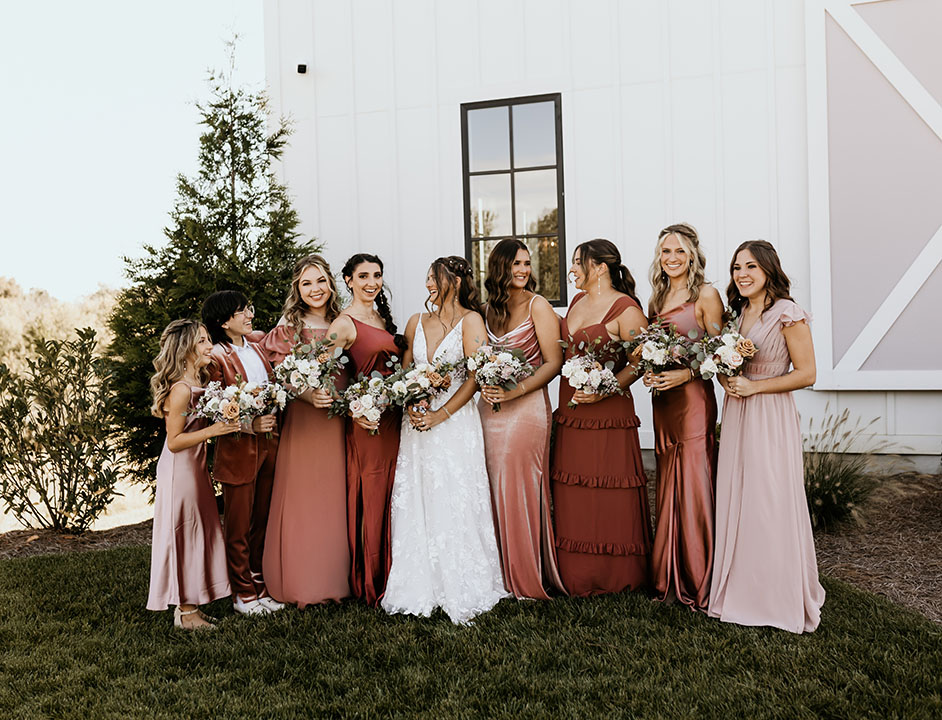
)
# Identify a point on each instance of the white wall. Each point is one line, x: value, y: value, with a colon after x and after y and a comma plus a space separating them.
x: 687, y: 110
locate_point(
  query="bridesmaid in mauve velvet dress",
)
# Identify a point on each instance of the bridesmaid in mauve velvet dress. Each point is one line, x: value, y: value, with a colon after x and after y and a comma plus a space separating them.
x: 684, y: 426
x: 516, y: 438
x: 765, y: 570
x: 603, y: 525
x: 369, y: 335
x: 307, y: 556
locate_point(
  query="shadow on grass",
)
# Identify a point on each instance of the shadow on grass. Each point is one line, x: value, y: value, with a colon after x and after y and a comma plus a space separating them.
x: 78, y: 643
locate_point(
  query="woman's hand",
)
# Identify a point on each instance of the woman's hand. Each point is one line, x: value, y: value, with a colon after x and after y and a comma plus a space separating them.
x: 494, y: 394
x: 223, y: 428
x: 366, y: 424
x: 320, y: 398
x: 666, y: 379
x: 422, y: 418
x: 264, y: 424
x: 584, y: 398
x: 740, y: 386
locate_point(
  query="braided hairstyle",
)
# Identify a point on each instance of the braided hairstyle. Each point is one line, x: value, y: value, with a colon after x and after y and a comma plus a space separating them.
x: 381, y: 300
x: 500, y: 277
x: 601, y: 251
x: 447, y: 271
x: 777, y: 284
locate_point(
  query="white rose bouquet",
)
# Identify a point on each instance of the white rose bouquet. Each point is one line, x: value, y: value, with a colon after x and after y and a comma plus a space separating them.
x: 660, y: 347
x: 367, y: 398
x: 312, y: 367
x: 500, y: 367
x: 241, y: 402
x: 590, y: 375
x: 722, y: 354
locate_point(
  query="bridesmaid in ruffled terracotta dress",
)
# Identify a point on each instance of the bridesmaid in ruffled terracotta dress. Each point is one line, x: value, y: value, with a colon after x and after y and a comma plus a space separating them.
x: 188, y: 554
x: 367, y: 331
x: 684, y: 425
x: 307, y: 557
x: 516, y: 438
x: 603, y: 524
x: 764, y: 567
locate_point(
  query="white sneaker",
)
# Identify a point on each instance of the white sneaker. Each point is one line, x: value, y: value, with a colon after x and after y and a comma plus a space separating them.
x: 249, y: 607
x: 271, y: 604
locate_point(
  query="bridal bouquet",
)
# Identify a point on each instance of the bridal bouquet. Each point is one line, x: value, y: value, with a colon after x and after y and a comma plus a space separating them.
x: 723, y: 354
x: 312, y: 367
x: 500, y: 367
x: 367, y: 398
x: 241, y: 402
x: 589, y: 374
x: 419, y: 383
x: 660, y: 347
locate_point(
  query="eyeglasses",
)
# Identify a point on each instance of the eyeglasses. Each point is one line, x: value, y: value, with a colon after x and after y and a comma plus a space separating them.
x: 250, y: 309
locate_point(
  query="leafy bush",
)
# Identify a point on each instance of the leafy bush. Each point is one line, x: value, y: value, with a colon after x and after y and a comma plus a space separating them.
x: 232, y: 227
x: 835, y: 467
x: 58, y: 457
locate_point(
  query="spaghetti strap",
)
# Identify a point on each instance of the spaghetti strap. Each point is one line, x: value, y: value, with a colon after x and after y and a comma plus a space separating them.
x: 181, y: 382
x: 617, y: 308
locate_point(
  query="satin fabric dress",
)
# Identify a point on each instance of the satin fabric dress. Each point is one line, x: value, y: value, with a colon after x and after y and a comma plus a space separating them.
x: 685, y: 450
x: 307, y: 554
x: 764, y: 566
x: 516, y: 442
x: 188, y: 554
x: 602, y: 519
x: 371, y: 469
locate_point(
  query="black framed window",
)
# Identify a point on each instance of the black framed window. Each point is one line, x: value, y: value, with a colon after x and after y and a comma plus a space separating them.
x: 512, y: 157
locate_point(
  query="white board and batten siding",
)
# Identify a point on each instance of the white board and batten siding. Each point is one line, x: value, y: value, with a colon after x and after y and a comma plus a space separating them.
x: 705, y: 111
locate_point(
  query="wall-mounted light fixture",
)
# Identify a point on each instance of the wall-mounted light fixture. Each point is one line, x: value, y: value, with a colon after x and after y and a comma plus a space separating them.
x: 302, y: 69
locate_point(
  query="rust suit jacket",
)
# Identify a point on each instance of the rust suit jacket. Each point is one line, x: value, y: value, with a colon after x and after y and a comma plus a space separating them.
x: 239, y: 456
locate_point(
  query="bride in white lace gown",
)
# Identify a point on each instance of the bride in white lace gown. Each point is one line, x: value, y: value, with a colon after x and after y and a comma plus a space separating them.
x: 444, y: 547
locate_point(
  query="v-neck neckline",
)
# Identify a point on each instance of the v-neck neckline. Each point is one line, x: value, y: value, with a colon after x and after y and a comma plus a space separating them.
x: 428, y: 359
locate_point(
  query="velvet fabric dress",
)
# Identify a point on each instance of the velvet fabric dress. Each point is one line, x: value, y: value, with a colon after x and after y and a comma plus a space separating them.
x: 307, y: 555
x: 517, y: 441
x: 685, y: 450
x: 188, y: 554
x: 603, y: 523
x: 371, y: 469
x: 764, y: 566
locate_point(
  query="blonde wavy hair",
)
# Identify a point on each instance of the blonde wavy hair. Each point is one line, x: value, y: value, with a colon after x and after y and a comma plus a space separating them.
x: 660, y: 284
x: 295, y: 308
x: 178, y: 344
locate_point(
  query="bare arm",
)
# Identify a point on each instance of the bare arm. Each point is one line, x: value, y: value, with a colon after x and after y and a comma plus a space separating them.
x: 177, y: 404
x: 628, y: 325
x: 345, y: 330
x: 473, y: 336
x: 803, y: 373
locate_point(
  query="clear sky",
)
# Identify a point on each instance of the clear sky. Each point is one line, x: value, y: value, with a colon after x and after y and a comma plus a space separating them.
x: 97, y: 119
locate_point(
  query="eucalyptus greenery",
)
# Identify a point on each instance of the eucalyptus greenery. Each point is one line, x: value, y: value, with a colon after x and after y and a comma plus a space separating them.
x: 59, y: 461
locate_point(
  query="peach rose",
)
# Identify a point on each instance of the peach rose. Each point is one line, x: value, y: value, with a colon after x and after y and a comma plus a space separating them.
x: 323, y: 357
x: 436, y: 379
x: 746, y: 348
x: 229, y: 410
x: 446, y: 382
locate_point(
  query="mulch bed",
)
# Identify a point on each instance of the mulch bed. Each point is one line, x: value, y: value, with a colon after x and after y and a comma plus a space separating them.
x: 896, y: 551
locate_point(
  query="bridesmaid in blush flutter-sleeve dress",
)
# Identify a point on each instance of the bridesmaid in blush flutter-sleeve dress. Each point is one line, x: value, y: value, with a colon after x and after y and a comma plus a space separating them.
x: 367, y: 331
x: 307, y: 556
x: 188, y: 555
x: 603, y: 530
x: 516, y: 438
x: 684, y: 425
x: 764, y: 568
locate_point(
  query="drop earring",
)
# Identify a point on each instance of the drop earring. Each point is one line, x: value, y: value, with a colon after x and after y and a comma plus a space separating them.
x: 599, y: 285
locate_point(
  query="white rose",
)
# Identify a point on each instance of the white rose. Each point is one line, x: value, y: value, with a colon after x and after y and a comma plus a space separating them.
x: 648, y: 350
x: 281, y: 397
x: 376, y: 383
x: 660, y: 357
x: 295, y: 378
x: 504, y: 357
x: 304, y: 366
x: 472, y: 364
x: 356, y: 407
x: 578, y: 378
x: 366, y: 401
x: 595, y: 377
x: 399, y: 387
x: 566, y: 370
x: 422, y: 368
x: 730, y: 340
x: 708, y: 367
x: 423, y: 382
x: 734, y: 360
x: 372, y: 414
x: 230, y: 391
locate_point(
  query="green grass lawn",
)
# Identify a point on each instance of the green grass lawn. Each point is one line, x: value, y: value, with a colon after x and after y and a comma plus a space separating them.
x: 76, y: 642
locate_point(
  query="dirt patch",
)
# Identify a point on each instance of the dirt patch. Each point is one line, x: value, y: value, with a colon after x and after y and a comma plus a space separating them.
x: 23, y: 543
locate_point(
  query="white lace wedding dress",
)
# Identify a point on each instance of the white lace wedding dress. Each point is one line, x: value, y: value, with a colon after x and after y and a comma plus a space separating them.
x: 444, y: 548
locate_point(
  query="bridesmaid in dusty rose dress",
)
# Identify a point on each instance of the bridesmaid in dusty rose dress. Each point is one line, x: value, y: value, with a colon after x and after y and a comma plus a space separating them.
x: 516, y: 438
x: 307, y: 557
x: 188, y: 556
x: 603, y: 524
x: 367, y: 331
x: 764, y: 568
x: 684, y: 425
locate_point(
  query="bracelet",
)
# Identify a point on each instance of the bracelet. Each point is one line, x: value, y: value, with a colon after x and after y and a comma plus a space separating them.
x: 523, y: 387
x: 690, y: 370
x: 446, y: 411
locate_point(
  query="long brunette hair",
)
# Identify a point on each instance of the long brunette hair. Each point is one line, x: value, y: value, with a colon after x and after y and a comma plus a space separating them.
x: 500, y: 277
x: 178, y: 343
x: 382, y: 300
x: 295, y: 308
x: 777, y: 284
x: 601, y: 251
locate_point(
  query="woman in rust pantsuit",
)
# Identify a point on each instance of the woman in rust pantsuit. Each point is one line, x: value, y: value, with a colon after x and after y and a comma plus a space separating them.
x: 684, y: 425
x: 368, y: 333
x: 307, y: 558
x: 603, y: 532
x: 516, y: 438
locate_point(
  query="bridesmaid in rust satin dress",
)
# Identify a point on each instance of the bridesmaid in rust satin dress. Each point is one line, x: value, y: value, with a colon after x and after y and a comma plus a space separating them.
x: 307, y: 555
x: 369, y: 335
x: 603, y: 526
x: 684, y: 426
x: 516, y: 438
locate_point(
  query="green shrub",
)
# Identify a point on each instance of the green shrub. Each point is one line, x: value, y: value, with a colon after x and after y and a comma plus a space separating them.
x: 835, y: 468
x: 58, y: 451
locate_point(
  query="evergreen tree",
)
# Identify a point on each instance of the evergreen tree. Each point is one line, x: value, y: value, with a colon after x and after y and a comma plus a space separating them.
x: 232, y: 227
